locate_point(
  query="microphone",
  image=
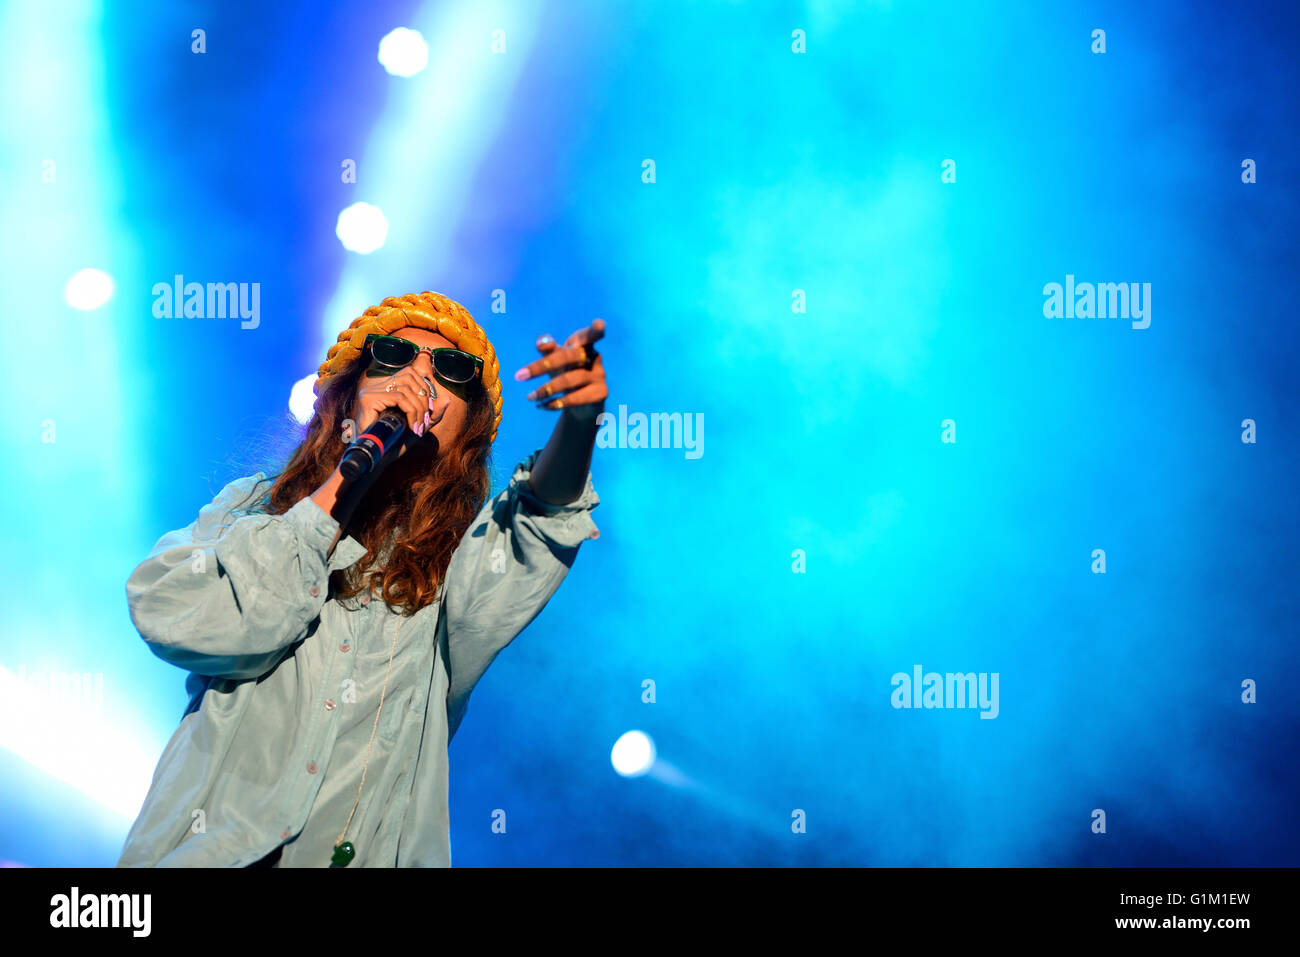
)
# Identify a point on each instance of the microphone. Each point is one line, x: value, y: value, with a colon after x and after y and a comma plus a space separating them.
x: 373, y: 445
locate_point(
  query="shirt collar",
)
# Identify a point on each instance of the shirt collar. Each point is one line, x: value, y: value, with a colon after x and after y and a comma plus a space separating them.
x: 346, y: 552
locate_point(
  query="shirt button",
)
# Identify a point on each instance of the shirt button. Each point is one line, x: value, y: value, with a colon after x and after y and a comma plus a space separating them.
x: 343, y: 647
x: 365, y: 599
x: 314, y: 590
x: 284, y: 834
x: 311, y: 767
x: 329, y: 704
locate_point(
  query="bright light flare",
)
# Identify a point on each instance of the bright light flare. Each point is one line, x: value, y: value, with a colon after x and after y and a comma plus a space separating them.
x: 633, y: 754
x: 88, y: 289
x: 362, y: 228
x: 403, y: 52
x: 302, y: 401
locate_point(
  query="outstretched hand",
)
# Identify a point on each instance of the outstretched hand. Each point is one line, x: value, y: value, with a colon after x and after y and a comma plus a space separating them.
x: 576, y: 370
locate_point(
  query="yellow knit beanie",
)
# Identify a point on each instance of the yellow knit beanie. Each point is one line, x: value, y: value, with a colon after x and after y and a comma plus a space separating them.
x: 428, y: 310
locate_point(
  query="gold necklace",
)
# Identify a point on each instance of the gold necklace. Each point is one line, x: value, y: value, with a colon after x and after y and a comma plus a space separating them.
x: 345, y: 851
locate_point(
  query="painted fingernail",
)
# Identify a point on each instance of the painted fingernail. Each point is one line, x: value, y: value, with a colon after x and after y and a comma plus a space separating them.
x: 419, y: 428
x: 428, y: 419
x: 521, y: 375
x: 545, y: 340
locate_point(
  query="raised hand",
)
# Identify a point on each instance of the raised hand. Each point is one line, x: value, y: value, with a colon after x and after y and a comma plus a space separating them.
x: 577, y: 374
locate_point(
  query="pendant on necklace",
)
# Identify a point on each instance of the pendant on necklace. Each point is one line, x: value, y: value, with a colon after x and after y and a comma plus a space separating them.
x: 343, y: 854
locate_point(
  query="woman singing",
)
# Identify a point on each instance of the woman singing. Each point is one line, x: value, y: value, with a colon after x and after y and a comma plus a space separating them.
x: 333, y: 639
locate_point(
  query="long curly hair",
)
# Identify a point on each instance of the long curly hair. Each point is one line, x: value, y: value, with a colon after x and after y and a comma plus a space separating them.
x: 410, y: 527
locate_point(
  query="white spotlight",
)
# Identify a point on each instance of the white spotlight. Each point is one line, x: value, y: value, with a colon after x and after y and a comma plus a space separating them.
x: 362, y: 228
x: 302, y: 401
x: 88, y: 289
x: 403, y: 52
x: 633, y: 753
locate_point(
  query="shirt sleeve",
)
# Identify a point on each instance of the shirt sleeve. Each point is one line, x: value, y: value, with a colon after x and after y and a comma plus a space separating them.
x: 227, y: 595
x: 509, y: 563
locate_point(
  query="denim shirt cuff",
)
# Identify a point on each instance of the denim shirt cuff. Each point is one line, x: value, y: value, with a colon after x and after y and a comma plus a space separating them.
x: 314, y: 526
x: 568, y: 525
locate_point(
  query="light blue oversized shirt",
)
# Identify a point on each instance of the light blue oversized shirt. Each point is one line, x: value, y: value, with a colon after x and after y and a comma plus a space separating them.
x: 285, y: 679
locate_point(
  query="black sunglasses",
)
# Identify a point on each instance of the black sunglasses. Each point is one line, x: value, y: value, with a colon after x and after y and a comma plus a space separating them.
x: 388, y: 354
